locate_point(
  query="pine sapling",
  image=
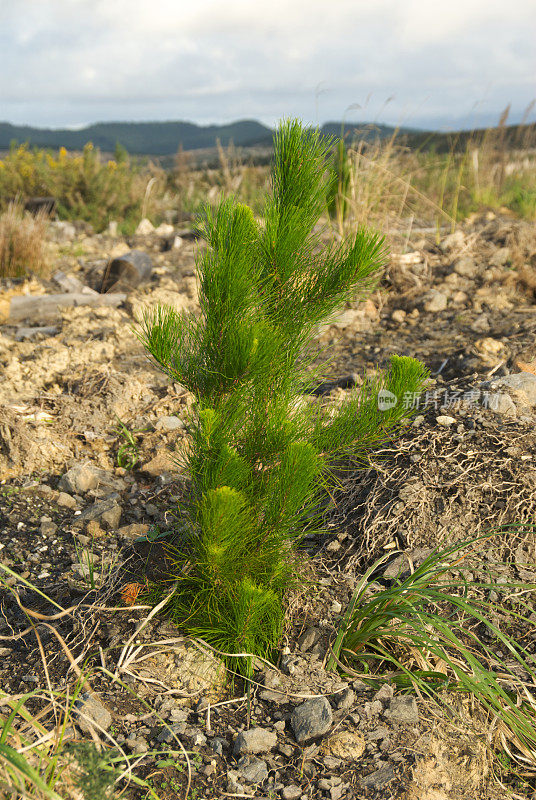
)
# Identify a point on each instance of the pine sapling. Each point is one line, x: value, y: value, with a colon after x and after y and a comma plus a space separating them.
x: 259, y: 457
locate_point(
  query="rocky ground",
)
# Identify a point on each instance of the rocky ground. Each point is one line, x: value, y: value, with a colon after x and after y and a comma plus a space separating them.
x: 88, y: 432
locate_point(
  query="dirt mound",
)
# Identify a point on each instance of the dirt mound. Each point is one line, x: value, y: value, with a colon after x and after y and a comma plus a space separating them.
x: 438, y: 485
x: 25, y: 446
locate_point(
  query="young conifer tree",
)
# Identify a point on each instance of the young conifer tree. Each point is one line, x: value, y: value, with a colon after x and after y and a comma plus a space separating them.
x: 259, y: 458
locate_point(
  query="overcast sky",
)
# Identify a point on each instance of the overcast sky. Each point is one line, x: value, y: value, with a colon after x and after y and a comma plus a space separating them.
x: 443, y: 63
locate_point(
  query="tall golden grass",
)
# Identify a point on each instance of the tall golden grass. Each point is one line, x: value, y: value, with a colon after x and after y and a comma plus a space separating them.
x: 22, y: 243
x: 388, y: 184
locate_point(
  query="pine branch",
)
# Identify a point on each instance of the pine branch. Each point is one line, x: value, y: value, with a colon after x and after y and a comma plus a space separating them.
x: 260, y: 459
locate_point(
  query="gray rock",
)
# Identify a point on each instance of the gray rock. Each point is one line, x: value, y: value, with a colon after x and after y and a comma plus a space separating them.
x: 127, y: 271
x: 345, y: 700
x: 373, y: 709
x: 466, y: 267
x: 164, y: 230
x: 138, y: 745
x: 104, y: 511
x: 501, y: 403
x: 453, y: 241
x: 171, y: 423
x: 384, y: 693
x: 510, y: 394
x: 145, y: 227
x: 308, y: 638
x: 270, y: 679
x: 378, y: 779
x: 286, y: 750
x: 80, y: 479
x: 403, y: 709
x: 398, y: 315
x: 286, y: 664
x: 38, y: 489
x: 195, y: 736
x: 167, y: 735
x: 61, y: 231
x: 255, y: 740
x: 178, y: 714
x: 280, y: 698
x: 65, y: 500
x: 317, y: 651
x: 252, y: 769
x: 523, y: 384
x: 217, y: 745
x: 48, y: 528
x: 292, y: 792
x: 378, y: 733
x: 311, y: 719
x: 332, y: 763
x: 481, y: 324
x: 233, y: 784
x: 445, y: 420
x: 134, y: 530
x: 87, y: 709
x: 500, y: 257
x: 400, y: 566
x: 435, y: 301
x: 336, y: 792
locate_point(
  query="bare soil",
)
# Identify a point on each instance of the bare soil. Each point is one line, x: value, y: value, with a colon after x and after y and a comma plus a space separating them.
x: 466, y: 307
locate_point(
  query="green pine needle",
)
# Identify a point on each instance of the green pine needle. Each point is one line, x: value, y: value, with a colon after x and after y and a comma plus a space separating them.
x: 259, y: 459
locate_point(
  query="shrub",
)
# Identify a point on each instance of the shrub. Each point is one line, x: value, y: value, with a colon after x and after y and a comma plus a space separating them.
x: 259, y: 457
x: 85, y: 186
x: 22, y: 243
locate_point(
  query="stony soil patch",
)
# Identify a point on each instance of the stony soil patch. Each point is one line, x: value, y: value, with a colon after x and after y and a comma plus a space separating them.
x: 78, y: 526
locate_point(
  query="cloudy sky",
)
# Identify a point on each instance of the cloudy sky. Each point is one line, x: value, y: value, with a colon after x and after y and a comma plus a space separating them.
x: 441, y: 63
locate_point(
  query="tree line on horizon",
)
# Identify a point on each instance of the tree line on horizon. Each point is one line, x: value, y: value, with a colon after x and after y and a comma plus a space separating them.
x: 165, y: 138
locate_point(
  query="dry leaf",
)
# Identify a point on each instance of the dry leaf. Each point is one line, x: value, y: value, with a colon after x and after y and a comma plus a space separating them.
x: 130, y: 592
x: 525, y: 366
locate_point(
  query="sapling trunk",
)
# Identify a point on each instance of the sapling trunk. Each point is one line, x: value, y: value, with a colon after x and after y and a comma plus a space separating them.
x: 259, y: 458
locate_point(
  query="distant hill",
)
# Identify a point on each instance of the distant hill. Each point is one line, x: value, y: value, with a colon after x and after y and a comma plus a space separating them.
x: 363, y: 130
x: 163, y: 139
x: 508, y: 137
x: 140, y: 138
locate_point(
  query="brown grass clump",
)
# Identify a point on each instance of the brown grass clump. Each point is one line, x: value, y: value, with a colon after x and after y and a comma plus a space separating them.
x: 22, y: 243
x: 434, y: 500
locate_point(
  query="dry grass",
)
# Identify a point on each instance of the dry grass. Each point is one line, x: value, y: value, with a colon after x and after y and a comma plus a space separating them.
x: 390, y: 186
x: 22, y: 243
x: 43, y: 756
x: 438, y: 495
x: 382, y: 189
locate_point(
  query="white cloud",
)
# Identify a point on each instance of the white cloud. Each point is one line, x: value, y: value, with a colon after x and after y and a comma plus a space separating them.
x: 61, y: 60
